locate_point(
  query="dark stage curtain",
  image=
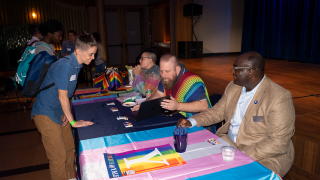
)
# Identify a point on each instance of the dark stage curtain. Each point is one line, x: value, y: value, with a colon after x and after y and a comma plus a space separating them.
x: 282, y: 29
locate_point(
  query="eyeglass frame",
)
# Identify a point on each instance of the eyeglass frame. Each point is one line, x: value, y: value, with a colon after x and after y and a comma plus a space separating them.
x: 144, y: 57
x: 235, y: 68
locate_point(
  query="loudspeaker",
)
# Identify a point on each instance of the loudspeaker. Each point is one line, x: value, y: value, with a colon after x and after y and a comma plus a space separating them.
x: 190, y: 49
x: 192, y: 9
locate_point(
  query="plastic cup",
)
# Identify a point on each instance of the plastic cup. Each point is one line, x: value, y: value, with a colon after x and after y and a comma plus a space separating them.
x: 180, y: 142
x: 228, y: 153
x: 130, y: 74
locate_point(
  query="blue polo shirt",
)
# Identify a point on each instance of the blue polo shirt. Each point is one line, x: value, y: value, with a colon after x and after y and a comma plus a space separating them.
x: 64, y: 73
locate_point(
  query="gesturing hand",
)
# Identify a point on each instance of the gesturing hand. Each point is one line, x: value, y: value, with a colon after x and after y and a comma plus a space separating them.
x: 183, y: 123
x: 170, y: 104
x: 136, y: 70
x: 136, y: 107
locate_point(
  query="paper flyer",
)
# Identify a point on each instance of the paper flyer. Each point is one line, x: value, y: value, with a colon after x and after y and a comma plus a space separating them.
x: 142, y: 160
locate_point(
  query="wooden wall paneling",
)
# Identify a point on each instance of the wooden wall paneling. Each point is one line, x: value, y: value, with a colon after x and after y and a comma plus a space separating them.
x: 4, y: 13
x: 167, y: 24
x: 68, y: 22
x: 172, y: 28
x: 17, y: 13
x: 27, y: 12
x: 120, y: 17
x: 76, y: 25
x: 182, y: 24
x: 9, y: 17
x: 102, y: 26
x: 88, y: 17
x: 37, y: 10
x: 1, y: 15
x: 44, y: 11
x: 41, y: 11
x: 123, y: 37
x: 158, y: 24
x: 143, y: 29
x: 124, y: 6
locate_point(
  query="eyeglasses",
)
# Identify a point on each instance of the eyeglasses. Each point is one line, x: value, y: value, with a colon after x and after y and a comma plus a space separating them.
x: 235, y: 68
x: 144, y: 57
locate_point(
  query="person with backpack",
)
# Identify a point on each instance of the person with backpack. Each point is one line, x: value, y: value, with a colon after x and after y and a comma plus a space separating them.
x: 51, y: 110
x: 37, y: 58
x: 27, y: 54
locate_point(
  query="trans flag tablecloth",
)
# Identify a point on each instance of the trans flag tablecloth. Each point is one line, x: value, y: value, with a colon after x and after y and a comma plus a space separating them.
x: 202, y: 159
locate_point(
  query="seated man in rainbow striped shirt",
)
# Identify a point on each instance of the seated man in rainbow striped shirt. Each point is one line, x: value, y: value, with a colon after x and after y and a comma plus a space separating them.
x: 188, y: 92
x: 147, y: 74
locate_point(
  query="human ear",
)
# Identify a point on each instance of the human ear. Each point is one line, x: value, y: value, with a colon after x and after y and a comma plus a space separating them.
x: 78, y: 51
x: 251, y: 72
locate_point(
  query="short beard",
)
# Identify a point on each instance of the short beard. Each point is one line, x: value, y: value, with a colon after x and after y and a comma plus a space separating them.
x: 168, y: 85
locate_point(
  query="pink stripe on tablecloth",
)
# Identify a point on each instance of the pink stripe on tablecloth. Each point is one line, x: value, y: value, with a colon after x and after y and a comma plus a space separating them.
x: 96, y: 155
x: 194, y: 168
x: 201, y: 166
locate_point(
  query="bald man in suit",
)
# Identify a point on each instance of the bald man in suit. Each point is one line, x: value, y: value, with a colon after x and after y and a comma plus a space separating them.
x: 259, y: 115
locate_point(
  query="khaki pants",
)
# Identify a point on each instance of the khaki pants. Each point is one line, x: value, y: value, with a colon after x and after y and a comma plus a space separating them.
x: 59, y: 145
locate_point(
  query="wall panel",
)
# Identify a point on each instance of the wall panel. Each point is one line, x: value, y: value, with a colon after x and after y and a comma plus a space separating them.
x: 182, y: 24
x: 17, y: 12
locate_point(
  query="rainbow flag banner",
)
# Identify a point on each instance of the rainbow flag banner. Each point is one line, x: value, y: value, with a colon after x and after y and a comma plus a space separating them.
x: 111, y: 78
x: 142, y: 160
x: 123, y: 75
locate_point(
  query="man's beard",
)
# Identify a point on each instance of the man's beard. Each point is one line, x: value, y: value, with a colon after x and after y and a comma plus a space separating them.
x: 168, y: 85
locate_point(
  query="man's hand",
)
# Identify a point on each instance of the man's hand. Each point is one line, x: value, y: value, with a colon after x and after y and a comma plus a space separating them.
x: 184, y: 123
x: 170, y: 104
x: 82, y: 123
x: 136, y: 107
x: 64, y: 121
x: 136, y: 70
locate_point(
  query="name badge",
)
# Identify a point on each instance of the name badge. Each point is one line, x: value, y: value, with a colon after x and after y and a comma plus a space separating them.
x: 258, y: 119
x: 73, y: 77
x: 68, y: 49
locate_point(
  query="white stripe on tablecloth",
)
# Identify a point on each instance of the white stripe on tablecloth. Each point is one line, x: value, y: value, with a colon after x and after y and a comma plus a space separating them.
x: 98, y: 170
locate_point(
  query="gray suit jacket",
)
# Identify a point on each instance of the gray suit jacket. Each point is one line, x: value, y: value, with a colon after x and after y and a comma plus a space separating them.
x: 268, y: 142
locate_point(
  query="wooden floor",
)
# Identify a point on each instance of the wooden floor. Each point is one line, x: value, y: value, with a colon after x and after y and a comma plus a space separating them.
x: 22, y: 155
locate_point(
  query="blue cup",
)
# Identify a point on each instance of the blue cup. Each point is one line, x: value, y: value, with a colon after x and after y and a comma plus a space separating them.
x: 180, y: 142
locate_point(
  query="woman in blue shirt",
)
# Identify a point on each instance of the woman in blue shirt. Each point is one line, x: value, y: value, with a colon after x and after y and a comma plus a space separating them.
x: 51, y: 110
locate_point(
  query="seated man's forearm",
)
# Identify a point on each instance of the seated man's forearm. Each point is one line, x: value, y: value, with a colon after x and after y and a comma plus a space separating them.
x: 156, y: 95
x: 195, y: 106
